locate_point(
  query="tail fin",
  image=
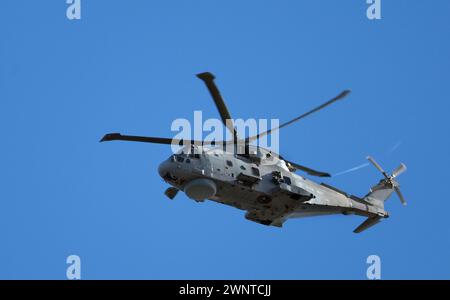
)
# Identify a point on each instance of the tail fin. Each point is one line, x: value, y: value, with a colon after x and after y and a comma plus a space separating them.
x: 384, y: 189
x: 380, y: 192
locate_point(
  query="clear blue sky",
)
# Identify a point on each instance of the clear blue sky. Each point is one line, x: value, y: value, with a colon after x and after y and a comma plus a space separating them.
x: 128, y: 66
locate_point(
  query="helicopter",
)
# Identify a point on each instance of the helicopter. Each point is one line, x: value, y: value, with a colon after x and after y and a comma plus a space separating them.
x: 261, y: 182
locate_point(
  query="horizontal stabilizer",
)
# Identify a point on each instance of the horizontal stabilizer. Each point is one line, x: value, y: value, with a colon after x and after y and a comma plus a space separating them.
x: 367, y: 224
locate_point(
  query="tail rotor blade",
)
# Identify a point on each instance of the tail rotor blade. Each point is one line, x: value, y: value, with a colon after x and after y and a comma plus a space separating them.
x: 400, y: 169
x: 377, y: 166
x: 400, y: 195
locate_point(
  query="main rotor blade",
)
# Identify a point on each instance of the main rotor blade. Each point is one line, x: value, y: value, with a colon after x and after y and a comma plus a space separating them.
x: 377, y: 166
x: 145, y: 139
x: 208, y: 79
x: 338, y: 97
x: 400, y: 169
x: 306, y: 169
x: 400, y: 195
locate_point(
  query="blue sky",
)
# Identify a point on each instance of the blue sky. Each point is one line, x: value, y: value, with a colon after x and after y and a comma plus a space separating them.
x: 128, y: 66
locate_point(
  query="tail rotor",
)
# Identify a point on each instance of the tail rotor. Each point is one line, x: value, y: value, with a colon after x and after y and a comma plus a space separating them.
x: 389, y: 180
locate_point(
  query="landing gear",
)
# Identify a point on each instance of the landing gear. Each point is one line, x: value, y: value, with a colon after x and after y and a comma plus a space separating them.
x: 171, y: 192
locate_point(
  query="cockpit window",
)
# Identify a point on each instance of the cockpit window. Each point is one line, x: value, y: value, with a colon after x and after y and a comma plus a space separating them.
x: 255, y: 171
x: 287, y: 180
x: 179, y: 158
x: 229, y: 163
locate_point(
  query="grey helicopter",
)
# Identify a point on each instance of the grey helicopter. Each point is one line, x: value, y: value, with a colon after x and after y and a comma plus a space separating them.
x: 261, y: 182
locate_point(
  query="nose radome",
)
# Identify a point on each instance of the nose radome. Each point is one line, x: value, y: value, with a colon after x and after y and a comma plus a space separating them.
x: 164, y: 168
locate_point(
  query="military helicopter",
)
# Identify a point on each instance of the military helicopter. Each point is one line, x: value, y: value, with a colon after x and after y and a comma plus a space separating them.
x: 259, y: 181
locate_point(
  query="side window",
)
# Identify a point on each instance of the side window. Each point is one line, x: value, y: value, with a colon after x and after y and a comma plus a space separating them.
x: 287, y: 180
x: 229, y: 163
x: 255, y: 171
x: 188, y: 161
x: 179, y: 158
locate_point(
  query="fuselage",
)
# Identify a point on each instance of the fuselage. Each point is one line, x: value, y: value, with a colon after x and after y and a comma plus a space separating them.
x: 260, y: 183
